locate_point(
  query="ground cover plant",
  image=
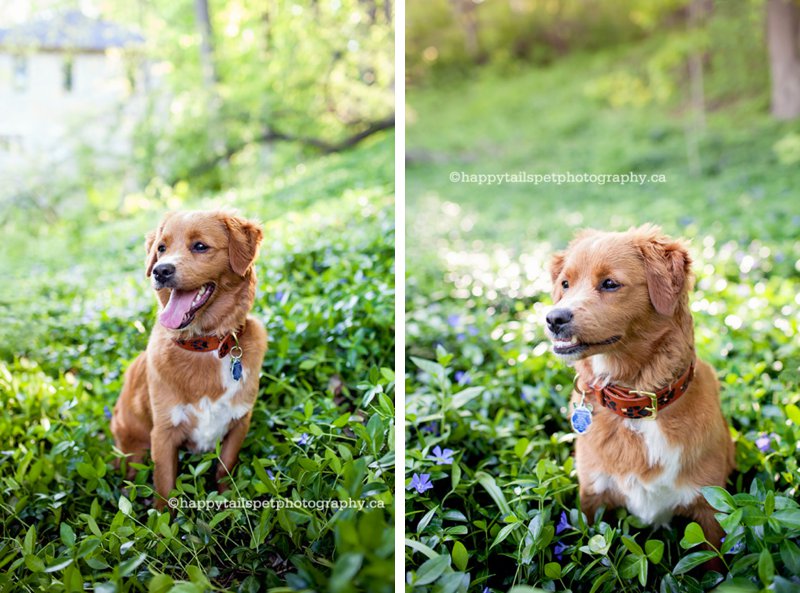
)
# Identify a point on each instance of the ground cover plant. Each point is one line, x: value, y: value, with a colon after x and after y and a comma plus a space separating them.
x: 491, y: 487
x: 76, y: 309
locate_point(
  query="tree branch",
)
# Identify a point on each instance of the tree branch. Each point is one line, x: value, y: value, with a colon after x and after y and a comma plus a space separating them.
x: 274, y: 135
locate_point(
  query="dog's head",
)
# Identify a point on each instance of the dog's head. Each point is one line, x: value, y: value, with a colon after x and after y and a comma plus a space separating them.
x: 195, y: 258
x: 609, y: 288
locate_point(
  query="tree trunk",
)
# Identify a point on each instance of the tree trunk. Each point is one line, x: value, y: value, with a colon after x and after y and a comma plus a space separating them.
x: 206, y: 43
x: 467, y: 17
x: 783, y: 41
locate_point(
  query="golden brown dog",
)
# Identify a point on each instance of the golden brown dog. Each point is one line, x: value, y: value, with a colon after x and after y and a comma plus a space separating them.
x: 650, y: 428
x: 197, y: 381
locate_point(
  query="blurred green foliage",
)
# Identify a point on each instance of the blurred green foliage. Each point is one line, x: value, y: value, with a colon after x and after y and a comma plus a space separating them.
x: 503, y: 513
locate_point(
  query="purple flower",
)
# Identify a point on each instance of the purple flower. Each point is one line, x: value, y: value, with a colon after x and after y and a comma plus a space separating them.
x: 462, y: 377
x: 442, y: 457
x: 430, y: 427
x: 279, y: 295
x: 472, y: 330
x: 270, y: 474
x: 563, y: 523
x: 461, y: 337
x: 559, y: 550
x: 453, y: 320
x: 764, y: 442
x: 420, y: 482
x: 486, y: 590
x: 107, y: 412
x: 304, y: 439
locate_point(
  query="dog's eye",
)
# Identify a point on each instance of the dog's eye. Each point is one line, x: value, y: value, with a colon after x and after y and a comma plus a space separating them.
x: 200, y: 247
x: 609, y: 285
x: 162, y: 248
x: 565, y: 284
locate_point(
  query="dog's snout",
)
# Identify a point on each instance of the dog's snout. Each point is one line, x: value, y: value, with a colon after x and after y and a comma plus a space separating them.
x: 164, y: 272
x: 557, y: 319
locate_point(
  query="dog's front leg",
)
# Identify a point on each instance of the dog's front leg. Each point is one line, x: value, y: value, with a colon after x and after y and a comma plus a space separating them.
x: 229, y: 452
x: 165, y: 459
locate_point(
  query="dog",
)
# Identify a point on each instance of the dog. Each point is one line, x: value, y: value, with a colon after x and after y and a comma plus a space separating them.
x: 197, y: 380
x: 650, y: 428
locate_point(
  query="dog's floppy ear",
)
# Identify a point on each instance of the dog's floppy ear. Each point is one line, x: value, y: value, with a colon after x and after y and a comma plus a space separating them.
x: 556, y: 265
x: 244, y: 237
x: 667, y: 267
x: 152, y: 254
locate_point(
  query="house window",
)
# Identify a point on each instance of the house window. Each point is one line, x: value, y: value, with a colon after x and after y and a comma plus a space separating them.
x: 68, y: 81
x: 20, y: 75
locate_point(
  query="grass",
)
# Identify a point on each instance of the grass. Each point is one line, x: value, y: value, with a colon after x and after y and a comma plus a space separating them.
x: 502, y: 511
x: 77, y: 309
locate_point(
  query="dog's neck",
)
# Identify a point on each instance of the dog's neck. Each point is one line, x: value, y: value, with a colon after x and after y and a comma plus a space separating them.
x: 652, y: 357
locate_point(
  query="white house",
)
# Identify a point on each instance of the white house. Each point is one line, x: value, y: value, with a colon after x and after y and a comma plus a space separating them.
x: 67, y: 82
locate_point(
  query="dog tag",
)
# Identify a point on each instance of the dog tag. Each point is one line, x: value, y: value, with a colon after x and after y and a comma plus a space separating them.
x: 236, y: 369
x: 236, y: 361
x: 581, y: 417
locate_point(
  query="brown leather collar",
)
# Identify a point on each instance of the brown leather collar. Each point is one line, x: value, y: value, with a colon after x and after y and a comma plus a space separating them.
x: 631, y: 403
x: 210, y: 343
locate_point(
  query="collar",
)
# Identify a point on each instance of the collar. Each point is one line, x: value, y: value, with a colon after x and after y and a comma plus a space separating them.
x: 210, y: 343
x: 633, y: 403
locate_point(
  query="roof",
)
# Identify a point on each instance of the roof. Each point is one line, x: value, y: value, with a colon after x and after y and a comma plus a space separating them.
x: 69, y: 30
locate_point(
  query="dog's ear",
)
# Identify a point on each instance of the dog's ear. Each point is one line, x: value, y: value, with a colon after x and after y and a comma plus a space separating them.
x: 667, y: 267
x: 150, y: 249
x: 556, y: 265
x: 244, y: 237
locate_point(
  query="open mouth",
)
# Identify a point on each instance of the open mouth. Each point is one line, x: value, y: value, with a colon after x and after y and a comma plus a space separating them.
x: 573, y: 346
x: 183, y: 305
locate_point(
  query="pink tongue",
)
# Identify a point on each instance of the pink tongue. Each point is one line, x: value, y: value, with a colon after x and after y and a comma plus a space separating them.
x: 180, y: 301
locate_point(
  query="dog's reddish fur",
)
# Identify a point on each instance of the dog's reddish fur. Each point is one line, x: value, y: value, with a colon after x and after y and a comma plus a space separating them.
x: 650, y: 312
x: 165, y: 375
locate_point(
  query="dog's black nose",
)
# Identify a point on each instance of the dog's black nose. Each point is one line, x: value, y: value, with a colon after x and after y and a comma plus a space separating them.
x: 164, y: 272
x: 558, y: 318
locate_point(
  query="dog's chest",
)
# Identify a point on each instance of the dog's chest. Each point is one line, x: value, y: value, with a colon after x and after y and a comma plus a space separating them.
x: 210, y: 417
x: 655, y: 499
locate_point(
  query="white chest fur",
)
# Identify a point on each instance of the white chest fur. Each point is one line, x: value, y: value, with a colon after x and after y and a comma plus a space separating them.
x: 212, y: 417
x: 652, y: 501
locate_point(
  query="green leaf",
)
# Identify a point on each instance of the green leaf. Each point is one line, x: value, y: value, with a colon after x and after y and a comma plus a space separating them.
x: 426, y: 518
x: 30, y: 539
x: 431, y: 570
x: 731, y: 522
x: 521, y: 447
x: 689, y: 561
x: 124, y: 505
x: 460, y: 556
x: 766, y: 567
x: 552, y: 570
x: 692, y: 535
x: 420, y: 547
x: 61, y: 565
x: 464, y: 396
x: 719, y: 498
x: 504, y: 533
x: 790, y: 554
x: 643, y: 571
x: 126, y: 568
x: 598, y: 545
x: 654, y: 549
x: 34, y: 563
x: 67, y: 535
x: 160, y: 583
x: 494, y: 491
x: 788, y: 518
x: 434, y: 369
x: 793, y: 413
x: 632, y: 546
x: 345, y: 569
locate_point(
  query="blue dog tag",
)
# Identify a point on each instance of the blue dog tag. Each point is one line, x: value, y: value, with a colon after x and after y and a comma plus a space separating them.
x: 581, y: 417
x: 236, y: 369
